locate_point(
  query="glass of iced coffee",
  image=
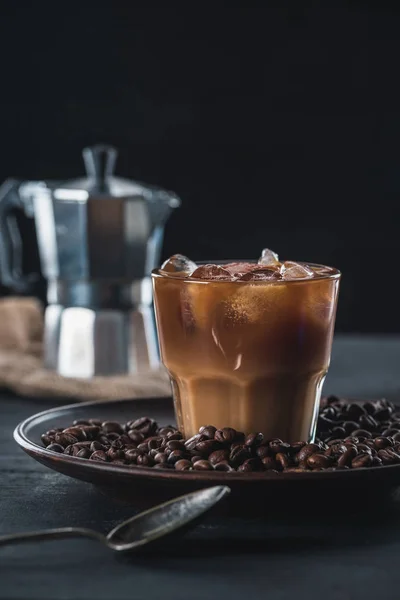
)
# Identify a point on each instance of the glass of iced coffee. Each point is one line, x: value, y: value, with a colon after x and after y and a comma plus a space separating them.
x: 247, y: 344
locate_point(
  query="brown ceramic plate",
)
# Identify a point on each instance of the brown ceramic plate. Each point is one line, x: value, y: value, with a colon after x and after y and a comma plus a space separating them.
x: 143, y: 486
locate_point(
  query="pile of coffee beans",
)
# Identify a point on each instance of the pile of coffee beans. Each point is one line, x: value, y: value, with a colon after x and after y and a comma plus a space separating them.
x: 349, y: 436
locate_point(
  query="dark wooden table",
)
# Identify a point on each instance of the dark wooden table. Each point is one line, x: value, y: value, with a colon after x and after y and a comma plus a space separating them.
x: 341, y: 556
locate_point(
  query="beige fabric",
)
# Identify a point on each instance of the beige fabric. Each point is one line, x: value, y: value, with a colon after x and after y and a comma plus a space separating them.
x: 22, y: 370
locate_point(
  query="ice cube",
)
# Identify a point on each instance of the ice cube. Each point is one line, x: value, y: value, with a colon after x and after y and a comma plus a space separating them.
x: 264, y: 274
x: 178, y: 265
x: 268, y: 257
x: 293, y: 270
x: 213, y: 272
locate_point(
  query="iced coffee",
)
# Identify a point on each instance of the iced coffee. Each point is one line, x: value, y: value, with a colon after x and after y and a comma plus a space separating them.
x: 246, y: 344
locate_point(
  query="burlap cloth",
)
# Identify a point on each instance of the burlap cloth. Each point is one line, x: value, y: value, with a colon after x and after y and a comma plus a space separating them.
x: 22, y: 370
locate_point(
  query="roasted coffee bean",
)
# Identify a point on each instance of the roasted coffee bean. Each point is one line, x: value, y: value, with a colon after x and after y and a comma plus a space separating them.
x: 84, y: 453
x: 131, y: 456
x: 175, y: 445
x: 65, y: 439
x: 283, y: 460
x: 325, y: 424
x: 383, y: 414
x: 196, y: 458
x: 395, y: 437
x: 96, y: 446
x: 346, y: 458
x: 176, y: 435
x: 351, y: 440
x: 46, y: 439
x: 207, y: 447
x: 145, y: 425
x: 143, y: 447
x: 307, y: 451
x: 338, y: 432
x: 183, y: 465
x: 369, y: 407
x: 385, y: 457
x: 99, y: 455
x: 153, y: 453
x: 361, y: 433
x: 103, y: 439
x: 350, y: 426
x: 124, y: 439
x: 80, y: 422
x: 329, y: 413
x: 192, y: 442
x: 202, y: 465
x: 394, y: 453
x: 263, y: 451
x: 91, y: 431
x: 368, y: 422
x: 334, y: 441
x: 376, y: 461
x: 269, y: 464
x: 352, y: 447
x: 389, y: 456
x: 95, y: 422
x: 145, y: 460
x: 392, y: 431
x: 354, y: 411
x: 112, y: 436
x: 161, y: 457
x: 369, y: 443
x: 319, y: 461
x: 118, y: 444
x: 77, y: 432
x: 364, y: 459
x: 154, y: 443
x: 227, y: 435
x: 175, y: 455
x: 208, y: 431
x: 277, y: 445
x: 115, y: 453
x: 73, y: 450
x: 254, y: 439
x: 223, y: 466
x: 238, y: 454
x: 55, y: 448
x: 251, y: 464
x: 218, y: 456
x: 164, y: 431
x: 162, y: 466
x: 135, y: 436
x: 336, y: 450
x: 296, y: 447
x: 112, y: 427
x: 363, y: 448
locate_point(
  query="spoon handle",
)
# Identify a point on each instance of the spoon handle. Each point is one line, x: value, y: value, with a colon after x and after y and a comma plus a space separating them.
x: 48, y: 534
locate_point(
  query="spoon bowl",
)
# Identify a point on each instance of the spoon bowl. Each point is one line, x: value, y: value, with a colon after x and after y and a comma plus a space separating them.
x: 164, y: 519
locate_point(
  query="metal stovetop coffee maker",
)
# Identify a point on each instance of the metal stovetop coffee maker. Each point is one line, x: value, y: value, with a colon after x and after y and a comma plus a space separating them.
x: 99, y: 238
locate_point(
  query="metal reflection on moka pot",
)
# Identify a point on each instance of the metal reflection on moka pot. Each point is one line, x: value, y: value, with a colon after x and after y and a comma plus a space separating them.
x: 99, y: 237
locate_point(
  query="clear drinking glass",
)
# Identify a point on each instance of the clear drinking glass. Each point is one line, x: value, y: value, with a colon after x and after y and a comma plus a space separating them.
x: 251, y: 355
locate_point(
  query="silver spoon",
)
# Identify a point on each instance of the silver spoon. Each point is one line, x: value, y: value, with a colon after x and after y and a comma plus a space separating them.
x: 141, y: 529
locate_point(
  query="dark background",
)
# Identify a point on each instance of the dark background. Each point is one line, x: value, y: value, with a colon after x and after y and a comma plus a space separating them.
x: 277, y: 123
